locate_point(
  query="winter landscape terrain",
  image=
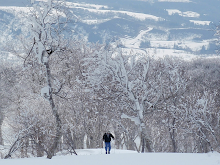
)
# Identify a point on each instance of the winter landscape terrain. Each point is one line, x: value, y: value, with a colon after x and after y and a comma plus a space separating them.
x: 118, y: 157
x: 159, y: 28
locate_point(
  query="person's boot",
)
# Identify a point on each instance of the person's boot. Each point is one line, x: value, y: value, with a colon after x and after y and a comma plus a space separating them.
x: 108, y: 152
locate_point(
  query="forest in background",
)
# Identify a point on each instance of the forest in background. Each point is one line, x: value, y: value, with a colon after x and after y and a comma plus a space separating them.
x: 65, y: 93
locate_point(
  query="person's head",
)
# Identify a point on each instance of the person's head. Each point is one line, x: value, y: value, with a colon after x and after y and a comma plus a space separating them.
x: 108, y: 131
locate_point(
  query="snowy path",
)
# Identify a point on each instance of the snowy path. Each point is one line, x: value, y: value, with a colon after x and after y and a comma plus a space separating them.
x: 120, y: 157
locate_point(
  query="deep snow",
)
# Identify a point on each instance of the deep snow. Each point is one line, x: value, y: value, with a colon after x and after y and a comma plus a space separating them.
x: 121, y: 157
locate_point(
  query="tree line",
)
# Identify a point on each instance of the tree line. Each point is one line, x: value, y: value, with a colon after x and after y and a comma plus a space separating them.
x: 67, y: 92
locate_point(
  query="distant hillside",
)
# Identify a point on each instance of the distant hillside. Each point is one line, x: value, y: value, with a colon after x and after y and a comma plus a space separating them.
x: 185, y: 25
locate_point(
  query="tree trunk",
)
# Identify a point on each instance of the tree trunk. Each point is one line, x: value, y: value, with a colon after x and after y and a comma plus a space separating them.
x: 1, y: 121
x: 57, y: 137
x: 1, y: 139
x: 143, y: 144
x: 172, y: 135
x: 40, y: 151
x: 145, y: 140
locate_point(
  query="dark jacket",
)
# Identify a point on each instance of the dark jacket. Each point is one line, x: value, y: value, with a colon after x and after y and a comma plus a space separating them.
x: 107, y: 137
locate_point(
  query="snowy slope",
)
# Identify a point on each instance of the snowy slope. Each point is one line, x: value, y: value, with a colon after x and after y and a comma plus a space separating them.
x: 121, y: 157
x: 176, y: 25
x: 13, y: 2
x: 168, y: 26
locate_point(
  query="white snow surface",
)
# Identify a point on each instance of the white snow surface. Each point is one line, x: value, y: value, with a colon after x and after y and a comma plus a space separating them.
x: 197, y: 22
x: 94, y: 6
x: 99, y: 10
x: 184, y: 1
x: 183, y: 14
x: 15, y: 10
x: 120, y: 157
x: 160, y: 47
x: 135, y: 42
x: 95, y: 21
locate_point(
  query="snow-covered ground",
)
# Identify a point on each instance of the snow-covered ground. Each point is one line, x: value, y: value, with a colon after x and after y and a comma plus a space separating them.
x: 139, y: 16
x: 172, y: 29
x: 120, y: 157
x: 184, y: 14
x: 184, y: 1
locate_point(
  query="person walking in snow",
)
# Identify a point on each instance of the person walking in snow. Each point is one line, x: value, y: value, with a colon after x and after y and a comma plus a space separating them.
x: 107, y: 139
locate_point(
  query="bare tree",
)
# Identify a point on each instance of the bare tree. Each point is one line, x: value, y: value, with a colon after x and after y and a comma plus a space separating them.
x: 174, y: 86
x: 7, y: 82
x: 127, y: 79
x: 48, y: 20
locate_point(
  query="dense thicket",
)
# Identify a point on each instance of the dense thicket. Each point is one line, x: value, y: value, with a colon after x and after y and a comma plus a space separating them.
x: 160, y: 105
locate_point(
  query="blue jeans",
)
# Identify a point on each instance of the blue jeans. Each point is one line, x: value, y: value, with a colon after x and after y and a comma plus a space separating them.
x: 107, y: 146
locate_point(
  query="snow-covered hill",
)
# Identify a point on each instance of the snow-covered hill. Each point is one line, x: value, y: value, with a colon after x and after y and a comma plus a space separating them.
x: 161, y: 27
x: 121, y: 157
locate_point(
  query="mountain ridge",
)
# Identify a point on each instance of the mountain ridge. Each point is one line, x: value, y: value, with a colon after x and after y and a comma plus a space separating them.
x: 186, y: 25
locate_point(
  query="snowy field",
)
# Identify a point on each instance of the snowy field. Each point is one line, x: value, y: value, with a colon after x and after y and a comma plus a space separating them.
x: 120, y: 157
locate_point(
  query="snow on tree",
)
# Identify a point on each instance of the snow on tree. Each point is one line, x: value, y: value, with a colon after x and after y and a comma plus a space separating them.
x: 125, y: 78
x: 47, y: 22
